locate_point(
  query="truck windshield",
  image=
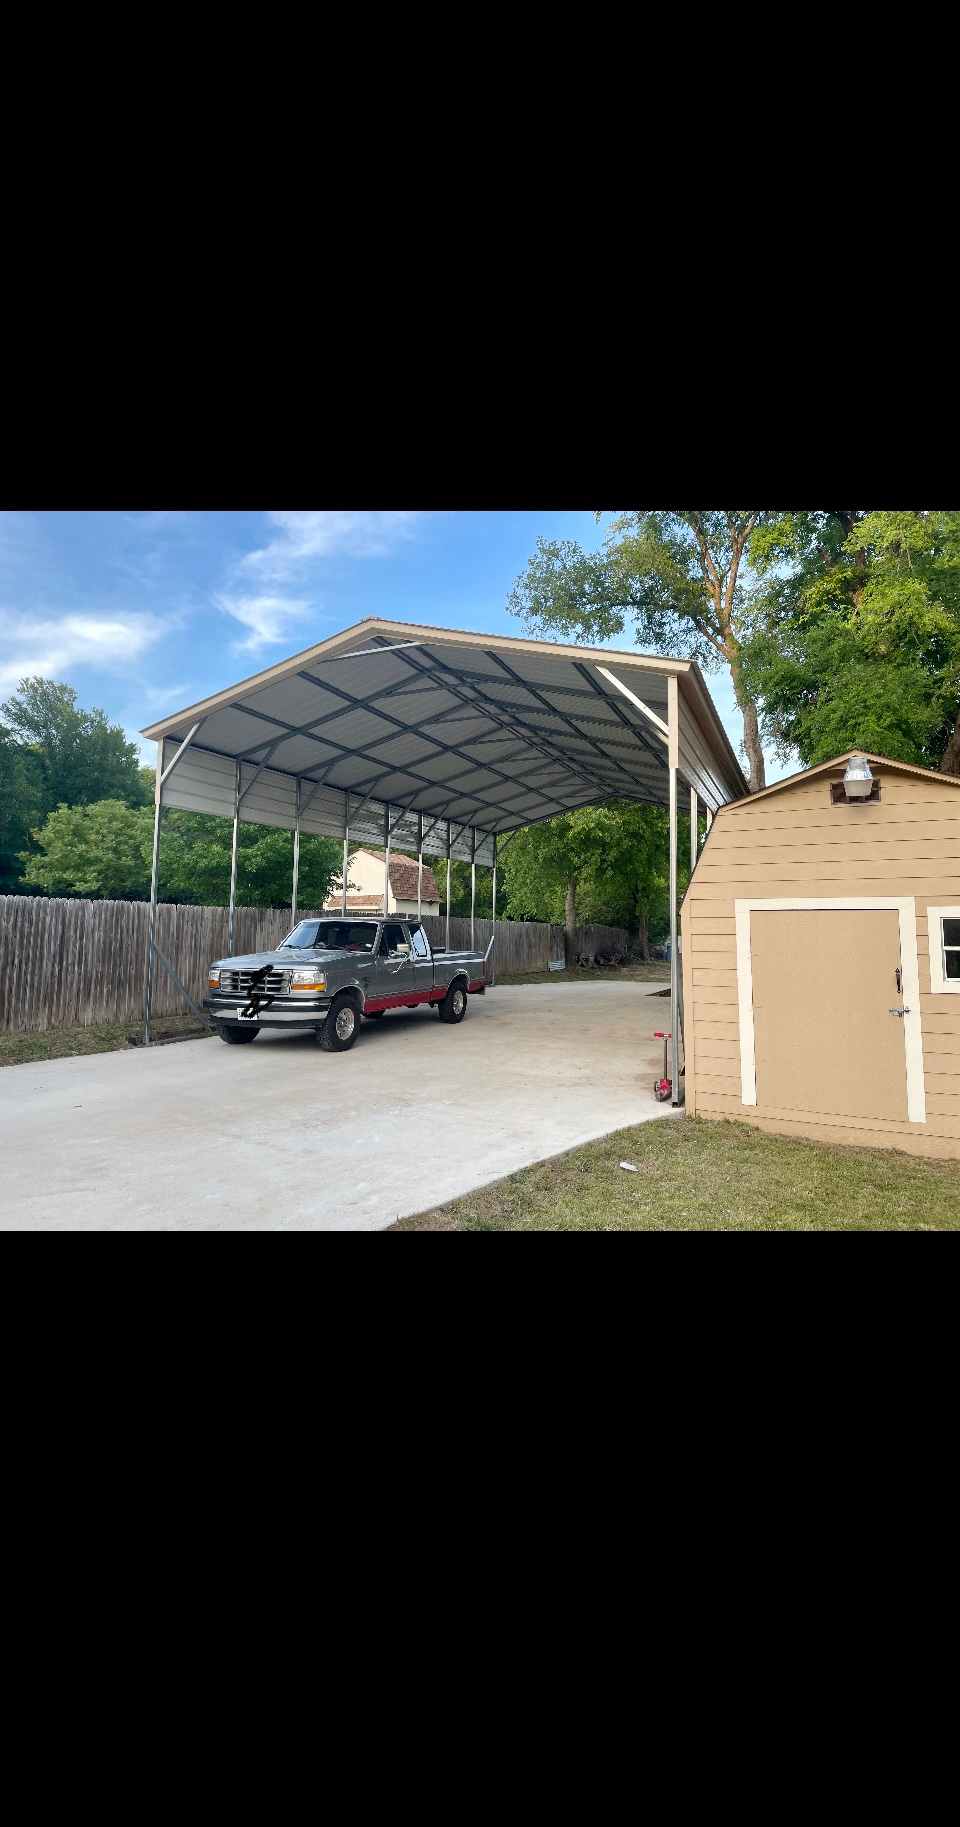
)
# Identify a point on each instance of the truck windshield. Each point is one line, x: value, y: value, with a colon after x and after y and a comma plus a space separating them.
x: 333, y: 935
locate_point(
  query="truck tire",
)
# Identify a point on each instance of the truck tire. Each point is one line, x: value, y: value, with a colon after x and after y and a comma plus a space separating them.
x: 341, y: 1027
x: 454, y: 1005
x: 236, y: 1037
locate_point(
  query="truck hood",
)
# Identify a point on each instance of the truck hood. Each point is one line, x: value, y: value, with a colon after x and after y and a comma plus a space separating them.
x: 290, y: 955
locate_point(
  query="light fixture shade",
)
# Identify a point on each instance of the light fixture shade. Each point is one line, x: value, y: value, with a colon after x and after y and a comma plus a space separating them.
x: 858, y: 780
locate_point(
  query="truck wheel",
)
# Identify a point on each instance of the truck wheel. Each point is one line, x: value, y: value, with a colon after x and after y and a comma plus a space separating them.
x: 236, y: 1037
x: 454, y: 1005
x: 341, y: 1027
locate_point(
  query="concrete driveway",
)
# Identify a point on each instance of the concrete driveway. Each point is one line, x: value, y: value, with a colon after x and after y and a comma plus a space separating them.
x: 281, y: 1136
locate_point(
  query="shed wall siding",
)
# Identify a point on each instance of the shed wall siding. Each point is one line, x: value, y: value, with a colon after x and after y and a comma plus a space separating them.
x: 796, y: 843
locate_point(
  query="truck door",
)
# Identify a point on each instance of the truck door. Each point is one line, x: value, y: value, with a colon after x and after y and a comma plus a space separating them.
x: 392, y: 967
x: 422, y: 961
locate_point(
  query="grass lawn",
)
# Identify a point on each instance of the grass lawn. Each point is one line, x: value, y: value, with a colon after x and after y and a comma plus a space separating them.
x: 697, y: 1175
x: 633, y: 973
x: 103, y: 1037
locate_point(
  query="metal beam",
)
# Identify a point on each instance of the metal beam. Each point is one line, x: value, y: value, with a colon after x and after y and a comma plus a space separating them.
x: 161, y: 775
x: 673, y: 757
x: 473, y: 882
x: 386, y: 861
x: 296, y: 863
x: 632, y: 698
x: 231, y: 915
x: 694, y: 834
x: 493, y: 910
x: 447, y: 940
x: 419, y: 865
x: 439, y: 669
x: 534, y: 691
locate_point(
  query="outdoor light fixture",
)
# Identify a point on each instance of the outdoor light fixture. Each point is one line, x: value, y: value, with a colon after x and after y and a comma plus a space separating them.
x: 858, y: 780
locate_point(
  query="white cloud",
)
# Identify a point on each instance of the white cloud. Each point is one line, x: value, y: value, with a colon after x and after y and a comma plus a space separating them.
x: 53, y: 646
x: 266, y: 617
x: 324, y: 533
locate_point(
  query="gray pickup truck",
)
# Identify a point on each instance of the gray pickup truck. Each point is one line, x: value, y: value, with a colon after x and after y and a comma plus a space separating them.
x: 329, y: 973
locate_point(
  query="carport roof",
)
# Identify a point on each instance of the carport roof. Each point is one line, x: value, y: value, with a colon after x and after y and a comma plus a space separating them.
x: 489, y: 731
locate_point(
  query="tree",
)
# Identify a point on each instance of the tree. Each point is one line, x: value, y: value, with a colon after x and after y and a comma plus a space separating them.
x: 20, y: 808
x: 856, y: 635
x: 679, y: 577
x: 105, y: 850
x: 195, y: 863
x: 94, y: 851
x: 83, y: 757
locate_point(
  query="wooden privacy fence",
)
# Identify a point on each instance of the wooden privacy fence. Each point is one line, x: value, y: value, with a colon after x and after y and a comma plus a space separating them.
x: 67, y: 963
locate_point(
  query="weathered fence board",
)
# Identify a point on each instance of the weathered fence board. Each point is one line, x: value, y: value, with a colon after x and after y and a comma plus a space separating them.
x: 66, y: 963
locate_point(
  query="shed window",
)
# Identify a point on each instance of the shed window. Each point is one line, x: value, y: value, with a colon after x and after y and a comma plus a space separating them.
x: 943, y: 931
x: 951, y: 948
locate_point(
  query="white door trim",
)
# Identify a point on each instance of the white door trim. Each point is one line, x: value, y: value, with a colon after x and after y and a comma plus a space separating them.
x: 912, y: 1029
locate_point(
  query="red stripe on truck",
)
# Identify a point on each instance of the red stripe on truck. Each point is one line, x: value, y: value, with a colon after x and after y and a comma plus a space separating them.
x: 412, y: 999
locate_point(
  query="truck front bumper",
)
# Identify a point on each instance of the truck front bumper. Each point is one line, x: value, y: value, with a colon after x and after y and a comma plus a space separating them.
x: 307, y: 1012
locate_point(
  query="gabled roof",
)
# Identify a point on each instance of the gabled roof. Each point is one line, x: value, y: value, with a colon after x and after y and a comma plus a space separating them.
x: 489, y: 732
x: 840, y: 761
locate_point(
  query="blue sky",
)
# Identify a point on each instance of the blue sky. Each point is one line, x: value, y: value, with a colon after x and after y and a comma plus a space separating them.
x: 146, y: 613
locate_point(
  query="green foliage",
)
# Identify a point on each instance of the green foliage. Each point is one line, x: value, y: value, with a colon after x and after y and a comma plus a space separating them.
x: 195, y: 863
x: 617, y: 858
x: 21, y: 804
x: 53, y: 753
x: 104, y: 850
x: 83, y: 757
x: 856, y: 633
x: 675, y: 578
x: 95, y: 851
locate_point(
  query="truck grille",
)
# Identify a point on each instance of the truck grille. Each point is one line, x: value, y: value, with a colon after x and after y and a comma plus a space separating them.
x: 237, y: 983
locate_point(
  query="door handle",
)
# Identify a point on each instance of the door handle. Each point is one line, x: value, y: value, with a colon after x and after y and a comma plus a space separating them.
x: 900, y: 1012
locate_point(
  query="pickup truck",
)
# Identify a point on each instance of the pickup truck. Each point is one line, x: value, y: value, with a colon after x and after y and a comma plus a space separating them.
x: 330, y: 973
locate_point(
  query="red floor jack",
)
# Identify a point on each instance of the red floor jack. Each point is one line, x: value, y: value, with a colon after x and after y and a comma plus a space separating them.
x: 662, y: 1087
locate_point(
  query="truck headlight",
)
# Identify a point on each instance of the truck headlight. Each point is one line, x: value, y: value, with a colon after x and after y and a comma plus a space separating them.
x: 213, y: 977
x: 308, y: 980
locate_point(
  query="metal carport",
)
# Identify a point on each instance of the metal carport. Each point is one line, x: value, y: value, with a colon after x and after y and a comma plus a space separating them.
x: 443, y: 740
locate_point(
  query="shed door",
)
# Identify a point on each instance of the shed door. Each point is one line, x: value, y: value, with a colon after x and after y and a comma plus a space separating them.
x: 824, y: 982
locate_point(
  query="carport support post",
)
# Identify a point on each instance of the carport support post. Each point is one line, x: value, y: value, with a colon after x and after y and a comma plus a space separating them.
x: 386, y: 861
x: 694, y: 833
x: 493, y: 911
x: 161, y: 775
x: 231, y: 914
x: 473, y: 881
x: 419, y: 865
x: 673, y: 756
x: 148, y: 980
x: 447, y: 939
x: 296, y: 862
x: 346, y: 841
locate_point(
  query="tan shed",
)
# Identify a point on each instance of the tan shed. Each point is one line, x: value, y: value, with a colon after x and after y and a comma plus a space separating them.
x: 821, y: 960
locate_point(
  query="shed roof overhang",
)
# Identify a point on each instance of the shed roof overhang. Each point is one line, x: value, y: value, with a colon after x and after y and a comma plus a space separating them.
x: 490, y: 732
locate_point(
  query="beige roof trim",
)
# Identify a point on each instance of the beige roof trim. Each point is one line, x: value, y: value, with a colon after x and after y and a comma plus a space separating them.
x: 837, y: 761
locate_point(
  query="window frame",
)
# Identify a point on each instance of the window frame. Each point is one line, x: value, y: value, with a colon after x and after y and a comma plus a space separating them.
x: 940, y: 983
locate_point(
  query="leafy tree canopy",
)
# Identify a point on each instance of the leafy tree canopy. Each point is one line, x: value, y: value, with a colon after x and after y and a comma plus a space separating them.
x: 856, y: 634
x: 676, y: 578
x: 83, y: 757
x: 104, y: 850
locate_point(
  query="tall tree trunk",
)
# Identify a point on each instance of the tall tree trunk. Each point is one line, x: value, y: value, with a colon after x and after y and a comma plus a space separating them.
x: 951, y: 754
x: 570, y: 921
x: 751, y: 722
x: 643, y: 937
